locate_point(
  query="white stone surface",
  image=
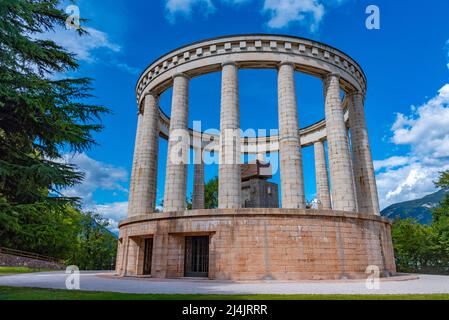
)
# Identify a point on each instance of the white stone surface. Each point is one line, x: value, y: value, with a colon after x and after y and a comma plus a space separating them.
x: 102, y: 281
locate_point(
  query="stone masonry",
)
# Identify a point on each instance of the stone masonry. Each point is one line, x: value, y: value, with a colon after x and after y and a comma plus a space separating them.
x: 178, y: 148
x: 260, y: 244
x: 144, y: 175
x: 322, y: 178
x: 229, y: 189
x: 292, y: 180
x: 364, y: 177
x: 343, y: 197
x: 337, y: 240
x: 198, y: 200
x: 259, y: 193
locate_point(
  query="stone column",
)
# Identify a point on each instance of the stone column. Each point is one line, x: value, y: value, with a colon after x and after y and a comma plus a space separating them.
x: 142, y: 196
x: 178, y: 147
x: 322, y: 178
x: 198, y: 201
x: 292, y: 181
x: 229, y: 186
x: 342, y: 183
x: 364, y: 176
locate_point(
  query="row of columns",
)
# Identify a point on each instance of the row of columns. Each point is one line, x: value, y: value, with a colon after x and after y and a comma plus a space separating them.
x: 351, y: 174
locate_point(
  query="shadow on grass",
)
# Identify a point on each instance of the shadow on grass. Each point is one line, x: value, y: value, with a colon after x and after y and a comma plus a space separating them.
x: 15, y: 293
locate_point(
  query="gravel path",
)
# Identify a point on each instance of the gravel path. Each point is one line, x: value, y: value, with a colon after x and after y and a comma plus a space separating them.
x: 95, y: 281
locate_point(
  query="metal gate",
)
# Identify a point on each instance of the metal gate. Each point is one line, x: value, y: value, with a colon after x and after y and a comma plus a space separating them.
x: 148, y: 258
x: 197, y: 257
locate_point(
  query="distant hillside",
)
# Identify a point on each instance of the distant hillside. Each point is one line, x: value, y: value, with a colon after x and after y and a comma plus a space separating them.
x: 419, y: 210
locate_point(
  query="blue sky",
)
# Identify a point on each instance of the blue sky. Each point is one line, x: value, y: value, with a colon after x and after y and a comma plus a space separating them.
x: 406, y: 63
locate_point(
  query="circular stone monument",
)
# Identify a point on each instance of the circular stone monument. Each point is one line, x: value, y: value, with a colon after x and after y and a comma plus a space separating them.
x: 340, y: 238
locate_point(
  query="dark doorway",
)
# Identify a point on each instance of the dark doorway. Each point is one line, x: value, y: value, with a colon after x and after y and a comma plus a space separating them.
x: 197, y: 257
x: 148, y: 258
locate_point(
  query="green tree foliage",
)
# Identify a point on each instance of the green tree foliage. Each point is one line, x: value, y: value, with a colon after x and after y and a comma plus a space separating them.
x: 443, y: 181
x: 211, y: 194
x: 441, y: 221
x: 412, y: 244
x: 420, y: 248
x: 40, y: 117
x: 96, y: 246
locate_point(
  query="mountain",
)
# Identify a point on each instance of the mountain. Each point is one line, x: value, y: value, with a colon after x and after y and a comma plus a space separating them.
x: 420, y: 210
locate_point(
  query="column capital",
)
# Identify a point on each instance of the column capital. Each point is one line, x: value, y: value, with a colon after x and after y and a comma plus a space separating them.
x: 331, y: 75
x: 150, y: 95
x: 230, y: 63
x: 354, y: 96
x: 155, y: 95
x: 354, y: 93
x: 181, y: 74
x: 140, y: 106
x: 286, y: 63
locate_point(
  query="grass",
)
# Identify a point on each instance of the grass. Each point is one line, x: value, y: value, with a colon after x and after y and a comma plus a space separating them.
x: 12, y: 293
x: 7, y: 271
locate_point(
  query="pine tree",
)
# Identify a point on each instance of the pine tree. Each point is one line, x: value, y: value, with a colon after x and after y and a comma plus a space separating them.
x: 40, y: 117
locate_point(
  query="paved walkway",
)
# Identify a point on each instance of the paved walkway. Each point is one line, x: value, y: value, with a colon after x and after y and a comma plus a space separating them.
x: 94, y: 281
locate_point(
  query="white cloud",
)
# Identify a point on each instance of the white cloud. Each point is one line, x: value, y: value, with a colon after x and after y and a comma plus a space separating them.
x: 390, y: 162
x: 98, y: 176
x: 125, y: 67
x: 185, y: 7
x: 104, y: 177
x: 426, y: 132
x: 282, y: 13
x: 87, y: 47
x: 83, y: 46
x: 113, y: 212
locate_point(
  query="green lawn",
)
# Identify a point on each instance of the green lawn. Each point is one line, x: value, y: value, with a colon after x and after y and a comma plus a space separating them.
x: 7, y: 271
x: 9, y: 293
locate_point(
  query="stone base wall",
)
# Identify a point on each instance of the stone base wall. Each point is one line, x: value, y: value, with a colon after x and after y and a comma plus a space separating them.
x: 7, y: 260
x: 256, y: 244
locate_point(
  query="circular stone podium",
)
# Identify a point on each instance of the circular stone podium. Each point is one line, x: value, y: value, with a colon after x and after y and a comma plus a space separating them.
x: 342, y: 238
